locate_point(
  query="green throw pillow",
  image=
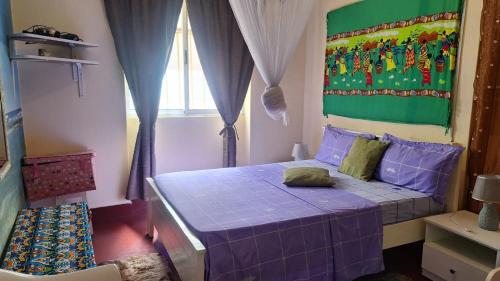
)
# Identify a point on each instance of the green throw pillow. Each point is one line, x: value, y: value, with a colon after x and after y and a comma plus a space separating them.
x: 307, y: 176
x: 363, y: 158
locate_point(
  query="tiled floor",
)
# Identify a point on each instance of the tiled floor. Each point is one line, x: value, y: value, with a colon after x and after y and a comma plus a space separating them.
x: 119, y: 232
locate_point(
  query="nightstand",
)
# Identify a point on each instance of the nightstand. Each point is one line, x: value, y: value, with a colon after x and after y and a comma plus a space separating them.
x: 456, y: 249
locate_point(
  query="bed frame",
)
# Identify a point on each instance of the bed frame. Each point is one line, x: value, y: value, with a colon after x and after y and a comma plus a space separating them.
x: 188, y: 253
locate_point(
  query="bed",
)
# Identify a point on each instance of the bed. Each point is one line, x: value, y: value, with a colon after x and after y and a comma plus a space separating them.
x: 228, y: 224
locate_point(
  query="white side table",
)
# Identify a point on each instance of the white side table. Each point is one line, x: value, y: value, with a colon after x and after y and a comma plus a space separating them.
x: 456, y: 249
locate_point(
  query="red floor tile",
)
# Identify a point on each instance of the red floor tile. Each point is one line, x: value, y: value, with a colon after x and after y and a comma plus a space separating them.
x: 119, y: 232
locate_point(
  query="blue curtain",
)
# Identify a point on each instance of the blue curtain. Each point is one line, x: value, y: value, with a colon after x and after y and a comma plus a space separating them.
x: 226, y: 62
x: 143, y: 31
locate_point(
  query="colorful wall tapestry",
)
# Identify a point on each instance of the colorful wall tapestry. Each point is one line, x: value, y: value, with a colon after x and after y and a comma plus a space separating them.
x: 392, y: 60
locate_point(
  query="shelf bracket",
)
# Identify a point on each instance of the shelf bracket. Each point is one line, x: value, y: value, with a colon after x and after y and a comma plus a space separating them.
x: 78, y: 77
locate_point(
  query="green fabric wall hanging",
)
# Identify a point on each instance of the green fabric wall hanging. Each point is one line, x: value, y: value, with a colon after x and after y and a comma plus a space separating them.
x: 392, y: 60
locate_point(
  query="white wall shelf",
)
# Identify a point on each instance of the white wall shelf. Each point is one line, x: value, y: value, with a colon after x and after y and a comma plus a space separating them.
x: 52, y: 59
x: 35, y: 38
x: 77, y: 64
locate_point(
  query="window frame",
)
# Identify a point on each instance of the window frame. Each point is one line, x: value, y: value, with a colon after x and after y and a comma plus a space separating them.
x: 187, y: 111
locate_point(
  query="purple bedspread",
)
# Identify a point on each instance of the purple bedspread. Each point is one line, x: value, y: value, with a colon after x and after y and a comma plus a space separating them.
x: 255, y: 228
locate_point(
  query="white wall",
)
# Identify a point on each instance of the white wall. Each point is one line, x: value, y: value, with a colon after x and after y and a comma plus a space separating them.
x: 269, y: 140
x: 188, y: 143
x: 314, y: 120
x: 56, y: 120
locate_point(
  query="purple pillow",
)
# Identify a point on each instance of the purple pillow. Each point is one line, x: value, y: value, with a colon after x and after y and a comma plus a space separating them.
x: 336, y: 144
x: 420, y: 166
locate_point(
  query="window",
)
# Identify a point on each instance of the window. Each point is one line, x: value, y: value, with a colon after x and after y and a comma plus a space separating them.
x: 185, y: 89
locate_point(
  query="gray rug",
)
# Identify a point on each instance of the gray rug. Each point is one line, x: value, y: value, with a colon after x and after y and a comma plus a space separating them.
x: 152, y: 267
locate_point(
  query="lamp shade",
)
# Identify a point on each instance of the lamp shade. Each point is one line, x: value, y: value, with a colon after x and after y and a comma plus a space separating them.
x: 300, y: 151
x: 487, y: 189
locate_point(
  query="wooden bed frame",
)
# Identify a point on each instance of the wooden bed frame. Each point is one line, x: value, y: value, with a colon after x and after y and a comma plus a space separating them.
x: 188, y: 253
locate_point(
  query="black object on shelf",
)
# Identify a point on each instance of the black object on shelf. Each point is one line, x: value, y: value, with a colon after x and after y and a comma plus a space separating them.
x: 52, y: 32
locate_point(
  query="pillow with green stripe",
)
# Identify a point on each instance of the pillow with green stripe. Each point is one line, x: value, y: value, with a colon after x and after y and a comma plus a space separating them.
x: 363, y: 158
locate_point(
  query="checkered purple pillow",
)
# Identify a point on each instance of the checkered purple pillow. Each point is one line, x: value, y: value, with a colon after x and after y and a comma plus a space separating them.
x: 420, y: 166
x: 336, y: 144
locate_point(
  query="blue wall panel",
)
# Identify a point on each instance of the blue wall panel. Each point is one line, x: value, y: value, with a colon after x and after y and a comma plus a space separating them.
x: 11, y: 187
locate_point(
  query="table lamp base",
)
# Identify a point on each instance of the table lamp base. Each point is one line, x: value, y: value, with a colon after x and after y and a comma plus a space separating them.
x: 488, y: 217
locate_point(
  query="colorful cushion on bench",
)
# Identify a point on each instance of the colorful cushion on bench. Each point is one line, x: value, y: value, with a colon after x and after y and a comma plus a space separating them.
x: 47, y: 241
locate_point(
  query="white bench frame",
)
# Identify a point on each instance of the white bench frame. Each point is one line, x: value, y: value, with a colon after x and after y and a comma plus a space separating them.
x: 101, y: 273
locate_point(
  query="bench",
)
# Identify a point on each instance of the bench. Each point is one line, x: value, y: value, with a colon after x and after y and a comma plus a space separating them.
x: 107, y: 272
x: 49, y: 241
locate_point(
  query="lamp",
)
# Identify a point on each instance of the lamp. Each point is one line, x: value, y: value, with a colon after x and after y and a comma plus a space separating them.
x: 487, y: 190
x: 300, y: 151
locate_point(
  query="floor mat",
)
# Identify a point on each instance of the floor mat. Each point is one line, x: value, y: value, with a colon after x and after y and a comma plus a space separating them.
x: 153, y: 267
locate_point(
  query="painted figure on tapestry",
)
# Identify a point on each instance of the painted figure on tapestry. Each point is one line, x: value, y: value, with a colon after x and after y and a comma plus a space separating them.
x: 369, y: 77
x: 357, y: 61
x: 409, y: 56
x: 423, y: 54
x: 453, y: 51
x: 327, y: 75
x: 440, y: 61
x: 366, y: 58
x: 426, y: 70
x: 389, y: 56
x: 343, y: 67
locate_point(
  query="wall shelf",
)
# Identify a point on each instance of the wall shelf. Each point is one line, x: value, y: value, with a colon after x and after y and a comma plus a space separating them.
x: 40, y: 39
x: 77, y: 64
x: 52, y: 59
